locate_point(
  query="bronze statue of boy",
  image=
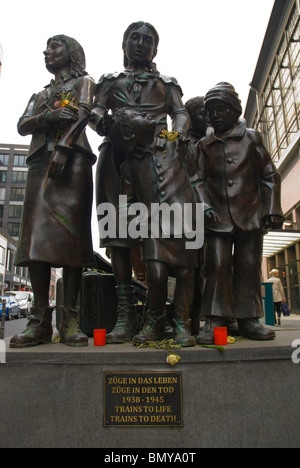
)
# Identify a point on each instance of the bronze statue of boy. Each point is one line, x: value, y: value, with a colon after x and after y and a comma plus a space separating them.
x: 241, y: 189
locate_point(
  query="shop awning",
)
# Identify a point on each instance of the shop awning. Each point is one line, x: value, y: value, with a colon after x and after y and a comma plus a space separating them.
x: 275, y: 241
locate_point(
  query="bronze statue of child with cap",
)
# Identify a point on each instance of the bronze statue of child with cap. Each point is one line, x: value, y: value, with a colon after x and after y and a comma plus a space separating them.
x: 241, y: 190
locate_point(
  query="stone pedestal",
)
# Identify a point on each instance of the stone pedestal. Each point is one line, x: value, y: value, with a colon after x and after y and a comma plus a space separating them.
x: 248, y: 396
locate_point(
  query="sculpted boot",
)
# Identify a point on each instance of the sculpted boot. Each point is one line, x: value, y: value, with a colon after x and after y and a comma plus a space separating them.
x: 127, y: 321
x: 154, y: 328
x: 254, y: 330
x: 183, y: 335
x: 38, y: 331
x: 206, y: 337
x: 69, y: 331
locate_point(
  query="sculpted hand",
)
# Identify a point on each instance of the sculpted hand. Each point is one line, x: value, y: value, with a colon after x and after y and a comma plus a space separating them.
x: 57, y: 164
x: 212, y: 215
x: 61, y: 115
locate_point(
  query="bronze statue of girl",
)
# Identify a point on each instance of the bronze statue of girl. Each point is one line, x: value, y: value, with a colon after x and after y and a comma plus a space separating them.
x: 56, y: 222
x: 142, y: 88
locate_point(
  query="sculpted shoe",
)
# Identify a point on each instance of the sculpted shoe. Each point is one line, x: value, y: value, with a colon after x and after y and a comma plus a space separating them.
x: 254, y: 330
x: 183, y: 335
x: 69, y: 332
x: 153, y: 330
x: 206, y: 337
x: 127, y: 322
x: 38, y: 331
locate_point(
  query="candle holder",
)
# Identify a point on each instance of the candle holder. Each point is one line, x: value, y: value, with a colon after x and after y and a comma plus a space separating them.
x: 220, y: 336
x: 100, y: 337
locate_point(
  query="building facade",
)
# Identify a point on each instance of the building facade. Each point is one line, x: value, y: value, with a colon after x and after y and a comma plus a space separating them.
x: 273, y: 108
x: 13, y: 176
x: 11, y: 277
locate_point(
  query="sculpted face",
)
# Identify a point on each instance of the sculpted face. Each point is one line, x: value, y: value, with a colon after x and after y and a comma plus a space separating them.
x: 222, y: 116
x: 200, y: 120
x: 140, y: 46
x: 56, y: 56
x: 143, y: 126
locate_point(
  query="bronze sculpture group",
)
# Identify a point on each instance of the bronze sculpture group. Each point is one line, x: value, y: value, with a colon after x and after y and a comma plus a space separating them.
x: 210, y: 157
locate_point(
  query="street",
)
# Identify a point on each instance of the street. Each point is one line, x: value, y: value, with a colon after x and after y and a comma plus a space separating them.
x: 14, y: 326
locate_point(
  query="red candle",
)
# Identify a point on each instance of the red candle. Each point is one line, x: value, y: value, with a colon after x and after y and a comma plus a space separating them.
x: 220, y: 336
x: 100, y: 337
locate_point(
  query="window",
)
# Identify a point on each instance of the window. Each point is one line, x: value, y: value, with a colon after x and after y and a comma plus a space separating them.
x: 3, y: 177
x: 9, y: 260
x: 13, y: 229
x: 20, y: 160
x: 17, y: 194
x: 1, y: 211
x: 2, y: 194
x: 19, y: 177
x: 4, y: 158
x: 2, y: 255
x: 279, y: 117
x: 15, y: 211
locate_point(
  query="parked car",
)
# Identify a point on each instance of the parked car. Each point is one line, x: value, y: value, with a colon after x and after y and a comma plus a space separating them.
x: 25, y: 299
x: 12, y: 307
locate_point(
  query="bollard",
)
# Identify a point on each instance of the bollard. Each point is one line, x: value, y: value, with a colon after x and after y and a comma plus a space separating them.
x: 3, y: 316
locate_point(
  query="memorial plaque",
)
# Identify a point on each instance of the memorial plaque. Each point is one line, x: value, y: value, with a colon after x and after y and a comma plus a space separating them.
x: 143, y: 399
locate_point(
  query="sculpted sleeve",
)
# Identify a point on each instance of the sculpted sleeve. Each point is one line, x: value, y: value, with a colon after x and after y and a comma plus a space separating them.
x: 200, y: 187
x: 100, y: 105
x: 270, y: 179
x: 29, y: 122
x: 85, y: 94
x: 180, y: 117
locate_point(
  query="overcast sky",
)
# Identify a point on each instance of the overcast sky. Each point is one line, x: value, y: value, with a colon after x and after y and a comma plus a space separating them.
x: 202, y: 42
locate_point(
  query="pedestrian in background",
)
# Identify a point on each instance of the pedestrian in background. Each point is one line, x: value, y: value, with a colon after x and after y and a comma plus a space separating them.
x: 278, y: 294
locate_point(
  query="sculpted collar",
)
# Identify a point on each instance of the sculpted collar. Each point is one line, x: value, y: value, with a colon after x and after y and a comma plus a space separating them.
x: 237, y: 131
x: 135, y: 80
x: 140, y: 77
x: 64, y: 78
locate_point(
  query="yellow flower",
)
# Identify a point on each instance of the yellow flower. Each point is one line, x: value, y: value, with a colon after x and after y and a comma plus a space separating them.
x: 170, y: 136
x: 172, y: 359
x: 65, y: 102
x: 230, y: 340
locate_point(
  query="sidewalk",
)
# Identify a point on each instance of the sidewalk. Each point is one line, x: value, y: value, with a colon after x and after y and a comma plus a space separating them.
x: 288, y: 322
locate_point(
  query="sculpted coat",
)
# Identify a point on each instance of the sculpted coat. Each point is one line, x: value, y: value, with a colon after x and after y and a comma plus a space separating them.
x: 240, y: 182
x: 56, y: 222
x: 164, y: 178
x: 145, y: 92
